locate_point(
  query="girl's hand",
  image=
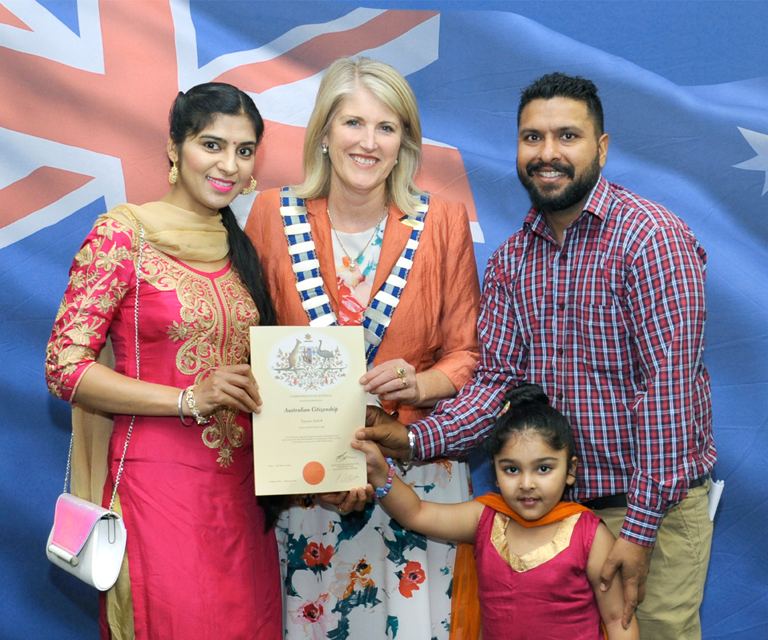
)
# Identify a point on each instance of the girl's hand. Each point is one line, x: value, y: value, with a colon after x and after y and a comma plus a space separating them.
x: 394, y: 380
x: 233, y: 386
x: 377, y: 467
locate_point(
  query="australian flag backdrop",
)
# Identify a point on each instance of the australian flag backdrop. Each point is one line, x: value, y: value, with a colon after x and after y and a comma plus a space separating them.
x: 85, y: 88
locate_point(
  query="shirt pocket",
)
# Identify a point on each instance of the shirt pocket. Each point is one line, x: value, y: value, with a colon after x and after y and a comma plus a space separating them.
x: 602, y: 338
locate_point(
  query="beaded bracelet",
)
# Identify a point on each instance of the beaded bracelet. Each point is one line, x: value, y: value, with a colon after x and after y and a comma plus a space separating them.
x: 382, y: 491
x: 189, y: 394
x: 182, y: 417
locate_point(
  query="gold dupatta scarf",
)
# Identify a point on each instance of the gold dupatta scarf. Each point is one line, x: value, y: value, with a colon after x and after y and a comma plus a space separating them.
x: 465, y: 606
x: 187, y: 236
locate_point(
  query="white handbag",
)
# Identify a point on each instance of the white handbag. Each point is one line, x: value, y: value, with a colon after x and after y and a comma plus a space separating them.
x: 86, y: 539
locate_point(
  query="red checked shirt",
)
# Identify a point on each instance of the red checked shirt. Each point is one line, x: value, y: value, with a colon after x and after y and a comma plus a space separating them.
x: 611, y: 325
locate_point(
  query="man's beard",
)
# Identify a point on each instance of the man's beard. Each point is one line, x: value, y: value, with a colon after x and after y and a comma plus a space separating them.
x: 571, y: 195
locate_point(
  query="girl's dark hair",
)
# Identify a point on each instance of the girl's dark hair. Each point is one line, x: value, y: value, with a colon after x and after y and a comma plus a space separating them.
x: 190, y: 114
x: 527, y: 408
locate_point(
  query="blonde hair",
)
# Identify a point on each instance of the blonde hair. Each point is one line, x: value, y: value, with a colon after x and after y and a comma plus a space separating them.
x: 389, y: 86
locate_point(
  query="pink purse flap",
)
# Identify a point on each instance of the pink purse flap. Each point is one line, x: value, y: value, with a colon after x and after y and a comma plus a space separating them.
x: 73, y: 522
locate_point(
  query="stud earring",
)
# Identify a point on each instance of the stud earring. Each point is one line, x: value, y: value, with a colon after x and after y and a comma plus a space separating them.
x: 324, y: 148
x: 250, y: 188
x: 173, y: 174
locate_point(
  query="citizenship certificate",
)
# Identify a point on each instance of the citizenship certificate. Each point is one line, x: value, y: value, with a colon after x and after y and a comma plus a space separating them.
x: 313, y: 403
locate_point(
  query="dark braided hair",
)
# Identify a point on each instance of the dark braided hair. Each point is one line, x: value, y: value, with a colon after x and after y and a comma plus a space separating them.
x: 527, y: 408
x: 190, y: 114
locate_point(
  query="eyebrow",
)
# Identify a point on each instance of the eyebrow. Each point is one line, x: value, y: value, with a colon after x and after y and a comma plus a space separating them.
x: 209, y: 136
x: 352, y: 115
x: 561, y: 130
x: 538, y: 461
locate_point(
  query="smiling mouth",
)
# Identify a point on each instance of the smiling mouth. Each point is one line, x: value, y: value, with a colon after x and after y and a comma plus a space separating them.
x: 225, y: 186
x: 549, y: 171
x: 366, y: 161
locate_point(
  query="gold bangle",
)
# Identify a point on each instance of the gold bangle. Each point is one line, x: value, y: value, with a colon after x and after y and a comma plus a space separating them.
x: 189, y: 394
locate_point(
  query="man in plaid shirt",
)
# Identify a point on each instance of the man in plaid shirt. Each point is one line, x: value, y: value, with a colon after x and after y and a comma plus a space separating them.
x: 600, y: 300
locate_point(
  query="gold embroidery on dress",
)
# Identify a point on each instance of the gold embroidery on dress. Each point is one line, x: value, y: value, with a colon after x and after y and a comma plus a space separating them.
x: 102, y: 289
x: 537, y: 557
x: 216, y: 315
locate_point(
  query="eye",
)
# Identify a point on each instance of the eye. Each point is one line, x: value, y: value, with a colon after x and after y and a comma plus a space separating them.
x: 544, y: 468
x: 352, y: 122
x: 211, y: 145
x: 569, y: 136
x: 510, y: 469
x: 388, y: 128
x: 531, y: 137
x: 245, y: 152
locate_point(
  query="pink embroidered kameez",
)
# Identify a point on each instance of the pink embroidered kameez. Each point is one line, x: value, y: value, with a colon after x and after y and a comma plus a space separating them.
x: 200, y: 562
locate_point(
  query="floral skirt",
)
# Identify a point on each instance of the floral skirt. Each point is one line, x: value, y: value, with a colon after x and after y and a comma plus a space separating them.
x: 362, y: 575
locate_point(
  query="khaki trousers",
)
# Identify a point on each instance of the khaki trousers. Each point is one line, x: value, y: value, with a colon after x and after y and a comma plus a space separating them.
x: 679, y: 562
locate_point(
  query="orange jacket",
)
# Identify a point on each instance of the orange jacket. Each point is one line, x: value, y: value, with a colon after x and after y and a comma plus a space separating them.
x: 435, y: 324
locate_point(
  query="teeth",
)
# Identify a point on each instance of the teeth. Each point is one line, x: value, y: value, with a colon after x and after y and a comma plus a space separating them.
x: 368, y: 161
x: 550, y: 174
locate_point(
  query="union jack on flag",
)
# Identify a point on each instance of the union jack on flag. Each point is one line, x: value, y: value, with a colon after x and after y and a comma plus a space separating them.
x: 93, y: 123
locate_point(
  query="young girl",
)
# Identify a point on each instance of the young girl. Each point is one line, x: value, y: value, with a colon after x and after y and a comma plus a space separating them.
x: 538, y: 559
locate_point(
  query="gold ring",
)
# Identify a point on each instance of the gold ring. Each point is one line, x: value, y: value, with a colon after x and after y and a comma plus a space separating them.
x: 400, y: 372
x: 405, y: 383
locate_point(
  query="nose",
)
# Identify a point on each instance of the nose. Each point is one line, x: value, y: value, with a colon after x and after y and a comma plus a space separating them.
x: 528, y: 481
x: 368, y: 141
x: 228, y: 161
x: 549, y: 150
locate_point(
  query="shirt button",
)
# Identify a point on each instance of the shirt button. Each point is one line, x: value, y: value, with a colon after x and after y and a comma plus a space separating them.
x: 561, y: 306
x: 560, y: 351
x: 559, y: 395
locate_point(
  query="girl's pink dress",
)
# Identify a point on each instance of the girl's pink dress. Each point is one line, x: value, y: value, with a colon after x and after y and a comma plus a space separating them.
x: 543, y: 595
x: 201, y: 564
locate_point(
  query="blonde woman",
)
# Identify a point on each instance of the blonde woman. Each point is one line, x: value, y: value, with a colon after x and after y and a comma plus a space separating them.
x: 361, y: 574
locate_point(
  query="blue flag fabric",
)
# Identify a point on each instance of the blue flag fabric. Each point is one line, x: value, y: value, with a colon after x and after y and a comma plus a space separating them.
x: 83, y: 120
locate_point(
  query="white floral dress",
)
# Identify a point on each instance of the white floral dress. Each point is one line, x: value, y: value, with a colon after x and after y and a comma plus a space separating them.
x: 361, y: 575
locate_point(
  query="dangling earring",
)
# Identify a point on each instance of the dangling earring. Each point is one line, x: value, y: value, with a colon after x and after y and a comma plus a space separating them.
x: 324, y: 148
x: 173, y: 174
x: 250, y: 188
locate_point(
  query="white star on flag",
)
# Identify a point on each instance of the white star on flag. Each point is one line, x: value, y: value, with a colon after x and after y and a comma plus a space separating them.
x: 759, y: 142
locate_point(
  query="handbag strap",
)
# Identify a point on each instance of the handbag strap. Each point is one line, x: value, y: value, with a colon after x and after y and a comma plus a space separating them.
x: 138, y: 377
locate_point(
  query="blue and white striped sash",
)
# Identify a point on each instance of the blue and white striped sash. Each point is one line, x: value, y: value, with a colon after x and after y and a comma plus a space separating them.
x: 309, y: 283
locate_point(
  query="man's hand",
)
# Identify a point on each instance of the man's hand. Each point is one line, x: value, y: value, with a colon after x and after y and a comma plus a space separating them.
x: 388, y: 433
x: 347, y: 501
x: 634, y: 560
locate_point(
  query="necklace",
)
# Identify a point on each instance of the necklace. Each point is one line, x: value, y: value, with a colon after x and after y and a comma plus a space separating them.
x: 353, y: 263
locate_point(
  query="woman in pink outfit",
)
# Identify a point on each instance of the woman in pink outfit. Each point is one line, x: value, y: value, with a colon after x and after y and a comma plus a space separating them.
x: 201, y: 553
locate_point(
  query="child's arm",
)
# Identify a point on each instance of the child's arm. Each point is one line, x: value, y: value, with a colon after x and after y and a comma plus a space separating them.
x: 445, y: 521
x: 611, y: 602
